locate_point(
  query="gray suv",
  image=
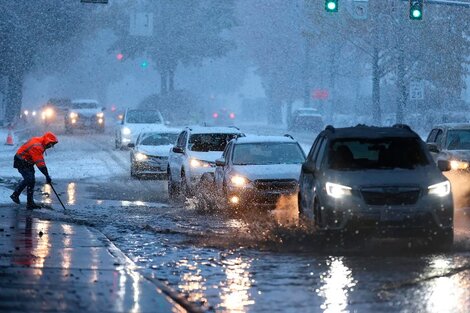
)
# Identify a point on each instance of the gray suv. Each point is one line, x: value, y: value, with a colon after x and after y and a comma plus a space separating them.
x: 378, y: 180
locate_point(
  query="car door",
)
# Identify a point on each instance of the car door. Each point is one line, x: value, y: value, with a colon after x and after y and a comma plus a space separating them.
x: 220, y: 171
x: 306, y: 179
x: 176, y: 159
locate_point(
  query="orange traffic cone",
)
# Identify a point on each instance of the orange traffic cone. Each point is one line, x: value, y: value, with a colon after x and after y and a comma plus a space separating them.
x: 9, y: 138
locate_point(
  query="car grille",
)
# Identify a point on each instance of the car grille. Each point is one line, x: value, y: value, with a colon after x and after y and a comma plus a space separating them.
x: 158, y: 160
x: 276, y: 185
x: 391, y: 195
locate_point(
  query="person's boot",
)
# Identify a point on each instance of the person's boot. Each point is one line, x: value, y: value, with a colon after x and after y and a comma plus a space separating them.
x: 15, y: 198
x: 30, y: 204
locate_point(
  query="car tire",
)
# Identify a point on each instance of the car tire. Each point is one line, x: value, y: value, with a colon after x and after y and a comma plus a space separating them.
x: 173, y: 190
x: 116, y: 144
x: 184, y: 188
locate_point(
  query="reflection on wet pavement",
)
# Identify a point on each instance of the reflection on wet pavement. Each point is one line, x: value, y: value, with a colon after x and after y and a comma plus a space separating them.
x: 254, y: 261
x: 71, y: 193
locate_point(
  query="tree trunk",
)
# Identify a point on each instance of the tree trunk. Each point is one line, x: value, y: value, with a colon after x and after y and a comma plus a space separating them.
x: 306, y: 73
x: 171, y: 80
x: 401, y: 87
x: 163, y: 82
x: 14, y: 97
x: 275, y: 112
x: 376, y: 109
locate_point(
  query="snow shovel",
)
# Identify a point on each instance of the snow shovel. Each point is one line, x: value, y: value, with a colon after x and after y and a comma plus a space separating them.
x: 57, y: 195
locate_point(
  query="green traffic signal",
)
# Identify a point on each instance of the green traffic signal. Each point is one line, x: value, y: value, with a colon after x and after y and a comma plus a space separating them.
x: 416, y: 9
x: 144, y: 64
x: 331, y: 5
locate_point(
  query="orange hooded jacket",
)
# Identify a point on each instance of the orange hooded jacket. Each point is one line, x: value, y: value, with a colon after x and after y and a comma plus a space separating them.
x: 33, y: 151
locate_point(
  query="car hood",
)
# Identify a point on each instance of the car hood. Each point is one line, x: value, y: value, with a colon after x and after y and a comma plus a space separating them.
x: 461, y: 155
x: 422, y: 176
x: 155, y: 150
x: 86, y: 112
x: 271, y: 171
x: 210, y: 156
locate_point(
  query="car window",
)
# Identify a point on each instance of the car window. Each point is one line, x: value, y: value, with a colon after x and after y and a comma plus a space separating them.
x: 181, y: 140
x: 209, y: 142
x: 84, y: 105
x: 432, y: 136
x: 313, y: 149
x: 321, y: 153
x: 158, y: 139
x: 439, y: 137
x: 382, y: 153
x: 267, y: 153
x: 315, y: 153
x: 143, y: 117
x: 458, y: 139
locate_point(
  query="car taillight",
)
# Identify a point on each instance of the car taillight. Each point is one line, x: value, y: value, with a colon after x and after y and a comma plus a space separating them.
x: 232, y: 115
x: 215, y: 115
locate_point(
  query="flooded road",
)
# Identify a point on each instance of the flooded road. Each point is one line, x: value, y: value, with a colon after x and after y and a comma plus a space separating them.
x: 250, y: 261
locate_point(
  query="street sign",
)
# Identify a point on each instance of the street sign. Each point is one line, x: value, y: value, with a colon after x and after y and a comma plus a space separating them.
x: 359, y: 9
x: 95, y: 1
x: 320, y: 94
x: 141, y: 24
x: 416, y: 91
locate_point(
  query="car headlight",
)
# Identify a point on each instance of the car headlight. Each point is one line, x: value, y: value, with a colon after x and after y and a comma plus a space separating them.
x: 239, y: 181
x: 100, y: 115
x: 440, y: 190
x: 48, y: 113
x: 337, y: 191
x: 126, y: 131
x: 73, y: 115
x: 199, y: 163
x: 458, y: 165
x: 140, y: 156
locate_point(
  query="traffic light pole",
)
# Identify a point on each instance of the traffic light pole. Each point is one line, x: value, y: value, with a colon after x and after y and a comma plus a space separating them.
x: 465, y: 4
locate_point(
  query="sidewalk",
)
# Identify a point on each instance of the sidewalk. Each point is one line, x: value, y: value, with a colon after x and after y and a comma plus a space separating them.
x: 51, y: 266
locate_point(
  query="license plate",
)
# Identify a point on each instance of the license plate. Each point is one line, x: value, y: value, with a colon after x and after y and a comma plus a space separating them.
x: 391, y: 216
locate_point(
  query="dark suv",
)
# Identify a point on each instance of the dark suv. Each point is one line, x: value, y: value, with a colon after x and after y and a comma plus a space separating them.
x: 378, y: 180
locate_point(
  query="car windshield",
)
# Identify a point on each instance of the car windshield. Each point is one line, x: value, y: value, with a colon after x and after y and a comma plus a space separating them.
x: 84, y: 105
x: 209, y: 142
x: 159, y: 139
x: 458, y: 139
x: 267, y: 153
x: 383, y: 153
x: 143, y: 117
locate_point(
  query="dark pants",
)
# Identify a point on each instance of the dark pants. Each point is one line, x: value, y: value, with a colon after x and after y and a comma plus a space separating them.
x: 28, y: 182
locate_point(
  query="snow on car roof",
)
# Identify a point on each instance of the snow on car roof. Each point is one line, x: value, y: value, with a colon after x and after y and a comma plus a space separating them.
x: 84, y: 101
x: 262, y: 139
x: 454, y: 125
x: 213, y: 130
x: 162, y: 131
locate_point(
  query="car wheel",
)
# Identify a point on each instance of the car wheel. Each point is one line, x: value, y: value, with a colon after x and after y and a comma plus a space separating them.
x: 116, y: 143
x: 173, y: 190
x: 185, y: 190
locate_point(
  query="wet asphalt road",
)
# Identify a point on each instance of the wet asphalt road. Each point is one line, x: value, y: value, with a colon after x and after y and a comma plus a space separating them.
x: 254, y: 261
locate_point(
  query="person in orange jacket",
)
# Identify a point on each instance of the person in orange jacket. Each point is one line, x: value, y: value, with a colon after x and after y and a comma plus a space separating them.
x: 28, y: 155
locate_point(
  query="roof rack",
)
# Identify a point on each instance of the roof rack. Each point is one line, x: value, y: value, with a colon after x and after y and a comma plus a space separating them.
x: 330, y: 128
x: 289, y: 136
x: 403, y: 126
x: 234, y: 127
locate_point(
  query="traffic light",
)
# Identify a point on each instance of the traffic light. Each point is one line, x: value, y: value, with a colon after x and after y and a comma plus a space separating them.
x: 416, y: 9
x: 144, y: 64
x: 331, y: 5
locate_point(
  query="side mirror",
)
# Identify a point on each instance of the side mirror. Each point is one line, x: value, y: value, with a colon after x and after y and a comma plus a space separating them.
x: 432, y: 147
x: 103, y: 109
x: 220, y: 162
x: 178, y: 150
x: 131, y: 145
x: 444, y: 165
x: 308, y: 167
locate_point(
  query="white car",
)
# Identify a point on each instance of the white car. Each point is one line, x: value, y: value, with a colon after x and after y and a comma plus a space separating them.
x: 134, y: 122
x: 194, y: 154
x: 84, y: 114
x: 258, y: 170
x: 149, y: 155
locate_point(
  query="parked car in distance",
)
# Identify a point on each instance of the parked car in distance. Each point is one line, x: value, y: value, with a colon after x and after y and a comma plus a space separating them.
x: 258, y: 170
x: 451, y: 142
x: 376, y: 180
x: 85, y: 114
x: 222, y: 117
x: 194, y: 154
x: 134, y: 122
x: 149, y: 155
x: 305, y: 119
